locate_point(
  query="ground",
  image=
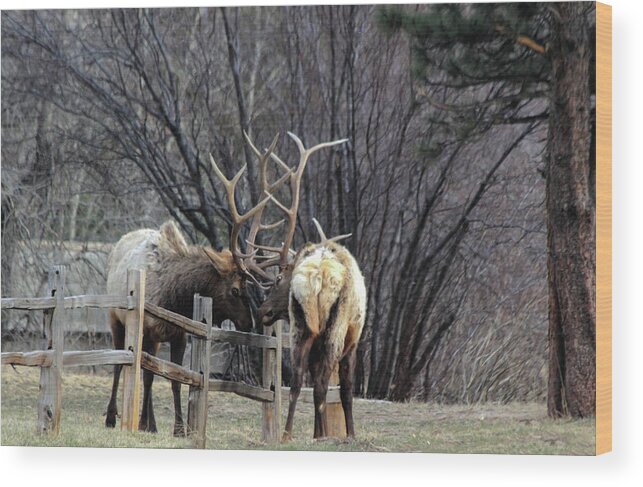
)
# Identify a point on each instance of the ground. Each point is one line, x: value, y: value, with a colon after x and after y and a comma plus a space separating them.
x: 235, y: 423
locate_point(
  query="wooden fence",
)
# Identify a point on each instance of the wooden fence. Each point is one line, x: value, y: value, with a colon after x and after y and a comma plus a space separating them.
x: 52, y: 360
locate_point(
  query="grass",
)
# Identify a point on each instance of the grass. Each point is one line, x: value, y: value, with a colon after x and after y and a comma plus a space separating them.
x: 235, y: 423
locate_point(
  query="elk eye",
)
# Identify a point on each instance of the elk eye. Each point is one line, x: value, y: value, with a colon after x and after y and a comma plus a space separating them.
x: 279, y: 278
x: 270, y: 313
x: 235, y: 291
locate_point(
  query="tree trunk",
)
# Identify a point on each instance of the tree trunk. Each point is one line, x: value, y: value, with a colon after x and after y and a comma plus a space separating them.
x: 571, y: 219
x: 244, y: 118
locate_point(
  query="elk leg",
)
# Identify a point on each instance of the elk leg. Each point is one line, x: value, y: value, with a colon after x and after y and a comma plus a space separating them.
x: 177, y: 350
x: 346, y: 373
x: 118, y: 339
x: 299, y: 359
x: 147, y: 422
x: 320, y: 372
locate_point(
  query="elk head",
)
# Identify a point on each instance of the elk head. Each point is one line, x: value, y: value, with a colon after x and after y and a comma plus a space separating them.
x: 275, y: 307
x: 228, y: 290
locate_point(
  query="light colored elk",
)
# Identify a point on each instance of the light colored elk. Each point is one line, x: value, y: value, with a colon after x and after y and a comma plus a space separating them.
x: 327, y: 309
x: 175, y: 272
x: 322, y: 293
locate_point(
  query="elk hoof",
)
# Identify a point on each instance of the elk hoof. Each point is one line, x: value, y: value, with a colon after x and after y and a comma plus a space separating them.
x: 286, y: 437
x: 110, y: 421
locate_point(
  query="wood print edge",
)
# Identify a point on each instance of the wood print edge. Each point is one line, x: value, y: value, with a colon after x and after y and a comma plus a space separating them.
x: 603, y: 228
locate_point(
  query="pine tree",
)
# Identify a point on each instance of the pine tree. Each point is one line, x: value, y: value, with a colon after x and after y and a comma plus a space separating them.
x: 530, y: 63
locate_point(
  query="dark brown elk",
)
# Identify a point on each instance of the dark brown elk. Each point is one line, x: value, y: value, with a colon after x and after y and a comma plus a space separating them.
x: 175, y: 272
x: 322, y: 294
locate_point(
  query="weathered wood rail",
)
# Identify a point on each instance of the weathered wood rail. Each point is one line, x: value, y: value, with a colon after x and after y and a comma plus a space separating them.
x: 171, y: 371
x: 44, y: 358
x: 70, y: 302
x: 241, y: 389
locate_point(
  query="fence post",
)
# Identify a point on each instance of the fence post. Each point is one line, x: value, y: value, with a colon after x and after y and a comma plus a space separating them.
x: 271, y: 376
x: 335, y: 419
x: 50, y: 396
x: 133, y: 343
x: 200, y: 362
x: 277, y: 381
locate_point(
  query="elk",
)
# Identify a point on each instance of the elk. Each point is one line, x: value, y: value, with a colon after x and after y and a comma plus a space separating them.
x: 322, y: 294
x: 175, y: 272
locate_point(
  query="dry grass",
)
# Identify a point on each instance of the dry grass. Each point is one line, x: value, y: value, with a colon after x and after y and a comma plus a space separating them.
x: 235, y: 423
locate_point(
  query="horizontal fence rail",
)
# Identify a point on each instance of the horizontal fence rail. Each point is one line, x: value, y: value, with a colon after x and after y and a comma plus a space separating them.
x: 243, y: 338
x: 100, y: 301
x: 70, y: 302
x: 170, y: 370
x: 241, y: 389
x: 28, y: 303
x: 44, y: 358
x: 186, y: 324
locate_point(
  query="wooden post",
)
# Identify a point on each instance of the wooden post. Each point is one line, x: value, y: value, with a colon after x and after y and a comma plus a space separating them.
x: 50, y: 396
x: 277, y: 382
x: 200, y: 362
x: 335, y: 413
x: 271, y: 423
x: 133, y: 343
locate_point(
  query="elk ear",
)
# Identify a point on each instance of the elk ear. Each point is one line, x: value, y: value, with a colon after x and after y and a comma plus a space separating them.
x: 173, y: 238
x: 222, y: 261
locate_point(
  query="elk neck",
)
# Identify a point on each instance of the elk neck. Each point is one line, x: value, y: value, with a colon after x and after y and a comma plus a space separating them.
x: 179, y: 276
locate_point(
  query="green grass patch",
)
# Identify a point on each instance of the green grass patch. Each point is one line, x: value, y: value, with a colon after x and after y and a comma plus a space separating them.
x: 235, y: 423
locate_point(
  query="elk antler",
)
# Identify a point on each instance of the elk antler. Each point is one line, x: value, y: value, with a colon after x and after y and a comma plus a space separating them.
x: 245, y: 262
x: 267, y: 189
x: 323, y: 237
x: 291, y: 213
